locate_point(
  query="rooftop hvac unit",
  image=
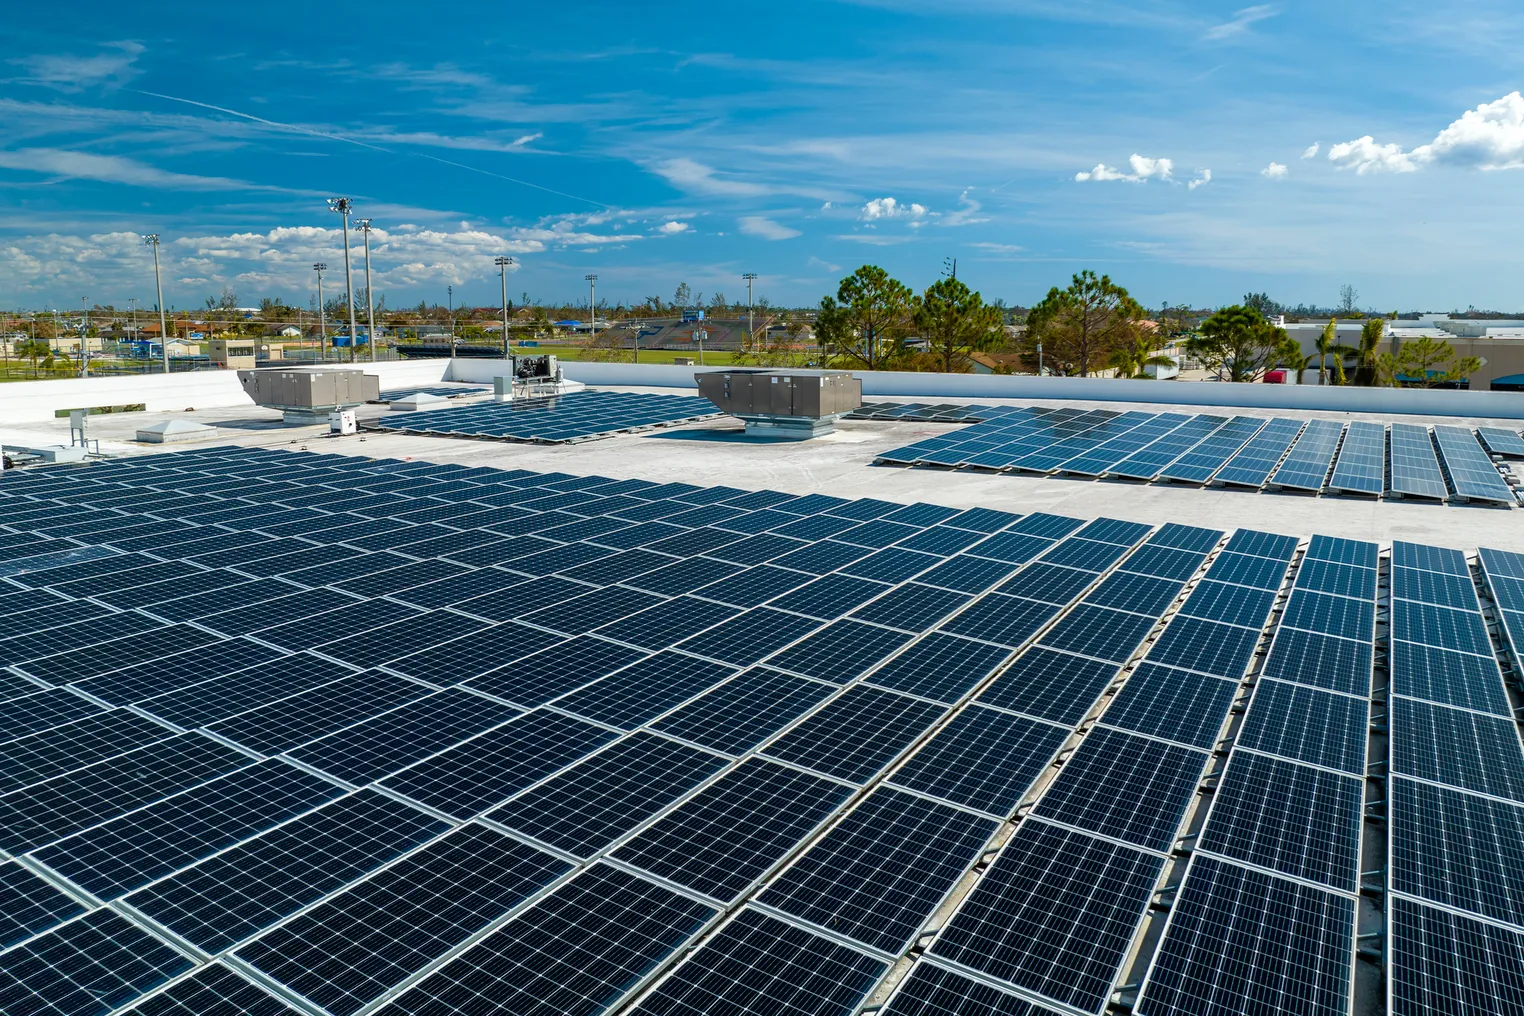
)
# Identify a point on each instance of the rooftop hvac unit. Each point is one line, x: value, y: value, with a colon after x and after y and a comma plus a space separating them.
x: 789, y: 404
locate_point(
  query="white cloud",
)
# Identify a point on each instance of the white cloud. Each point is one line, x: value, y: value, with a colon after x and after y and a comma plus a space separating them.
x: 1491, y: 136
x: 672, y: 227
x: 767, y: 229
x: 1364, y: 156
x: 66, y: 73
x: 1311, y: 150
x: 113, y: 169
x: 1203, y: 177
x: 1241, y: 21
x: 889, y: 208
x: 1275, y: 171
x: 687, y: 174
x: 967, y: 213
x: 1143, y: 168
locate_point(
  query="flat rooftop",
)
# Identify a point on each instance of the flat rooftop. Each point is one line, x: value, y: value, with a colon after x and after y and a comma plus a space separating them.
x: 718, y: 452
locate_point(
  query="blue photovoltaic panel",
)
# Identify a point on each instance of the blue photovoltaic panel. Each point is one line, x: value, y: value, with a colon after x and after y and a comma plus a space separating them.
x: 1415, y: 469
x: 760, y: 966
x: 1084, y: 939
x: 1306, y: 466
x: 580, y: 950
x: 879, y: 873
x: 1301, y: 940
x: 1361, y: 466
x: 1472, y: 472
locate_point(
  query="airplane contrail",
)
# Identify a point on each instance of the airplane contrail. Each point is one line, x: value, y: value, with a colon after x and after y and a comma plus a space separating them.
x: 363, y: 144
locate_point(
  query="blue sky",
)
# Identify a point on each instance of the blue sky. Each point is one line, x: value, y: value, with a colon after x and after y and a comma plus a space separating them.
x: 1192, y: 150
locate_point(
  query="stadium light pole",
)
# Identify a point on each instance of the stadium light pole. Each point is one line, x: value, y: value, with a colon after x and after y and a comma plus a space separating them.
x: 320, y: 268
x: 751, y: 328
x: 502, y: 263
x: 343, y: 207
x: 592, y: 304
x: 370, y: 298
x: 152, y: 240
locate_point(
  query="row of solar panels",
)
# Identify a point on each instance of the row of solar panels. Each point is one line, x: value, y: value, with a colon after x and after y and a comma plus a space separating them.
x: 1119, y: 796
x: 1305, y: 455
x: 574, y: 416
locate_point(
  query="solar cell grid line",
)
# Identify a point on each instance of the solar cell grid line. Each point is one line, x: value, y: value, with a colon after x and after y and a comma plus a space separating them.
x: 1301, y: 939
x: 1126, y: 787
x: 1415, y: 468
x: 729, y: 835
x: 1472, y: 472
x: 74, y: 745
x: 231, y: 896
x: 1361, y: 465
x: 354, y: 947
x: 1306, y: 465
x: 116, y: 857
x: 1499, y: 441
x: 90, y: 965
x: 46, y: 812
x: 1252, y: 465
x: 1008, y: 929
x: 757, y: 964
x: 582, y: 948
x: 1458, y: 850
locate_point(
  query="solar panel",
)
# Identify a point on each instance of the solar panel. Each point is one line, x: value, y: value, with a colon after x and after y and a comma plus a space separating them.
x: 1301, y: 723
x: 983, y: 758
x: 232, y: 895
x: 355, y: 947
x: 880, y: 872
x: 1126, y: 787
x: 760, y: 965
x: 722, y: 840
x: 481, y: 772
x: 1036, y: 922
x: 92, y: 964
x: 580, y: 949
x: 1173, y: 704
x: 1290, y: 818
x: 1442, y: 961
x: 854, y: 736
x: 1306, y: 465
x: 213, y: 990
x: 1361, y: 465
x: 1471, y: 469
x: 1415, y: 469
x: 1301, y: 940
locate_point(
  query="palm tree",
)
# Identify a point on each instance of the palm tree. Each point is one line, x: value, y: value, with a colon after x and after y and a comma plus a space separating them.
x: 1328, y: 345
x: 1142, y: 352
x: 1368, y: 353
